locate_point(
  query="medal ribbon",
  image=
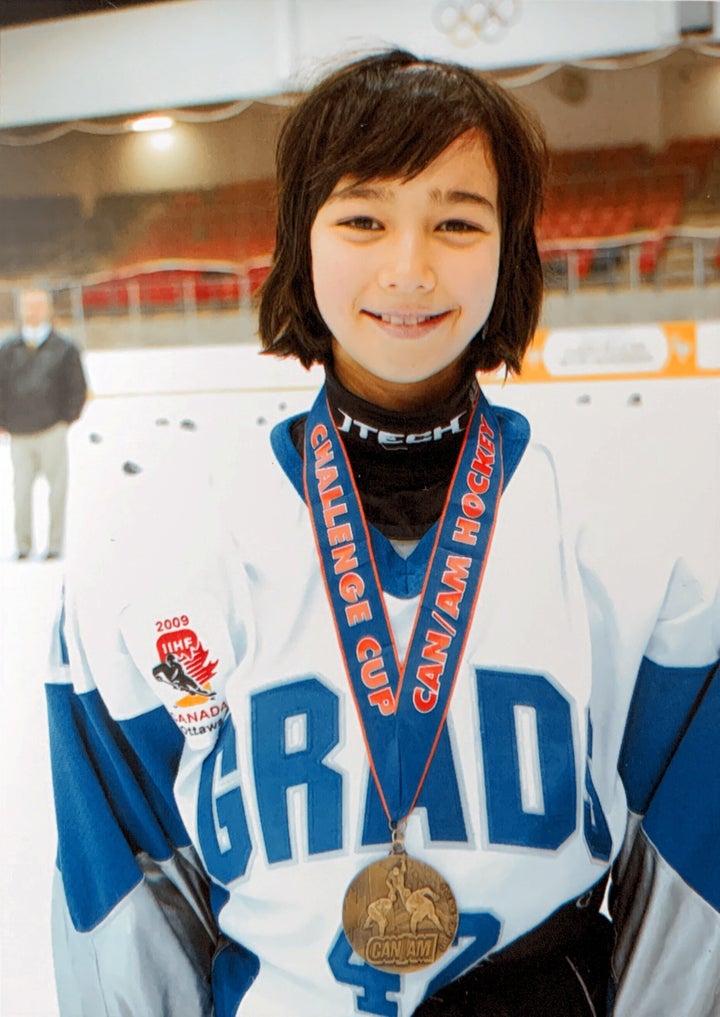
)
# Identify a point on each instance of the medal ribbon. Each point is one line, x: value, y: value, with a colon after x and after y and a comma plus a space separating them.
x: 402, y: 706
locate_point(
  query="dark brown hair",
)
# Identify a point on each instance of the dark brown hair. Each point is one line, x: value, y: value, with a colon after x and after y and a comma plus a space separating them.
x: 389, y: 116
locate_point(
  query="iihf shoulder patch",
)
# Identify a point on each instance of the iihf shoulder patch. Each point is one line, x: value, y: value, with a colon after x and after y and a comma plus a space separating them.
x: 184, y: 652
x: 184, y: 663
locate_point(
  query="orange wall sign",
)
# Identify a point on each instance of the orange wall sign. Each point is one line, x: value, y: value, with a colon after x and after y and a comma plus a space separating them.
x: 678, y: 349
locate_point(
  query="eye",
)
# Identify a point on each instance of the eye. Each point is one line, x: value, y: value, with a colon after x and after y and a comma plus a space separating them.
x: 459, y: 226
x: 361, y: 222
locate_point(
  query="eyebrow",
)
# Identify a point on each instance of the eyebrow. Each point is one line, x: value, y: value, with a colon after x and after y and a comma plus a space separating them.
x: 461, y: 198
x: 374, y: 192
x: 369, y: 191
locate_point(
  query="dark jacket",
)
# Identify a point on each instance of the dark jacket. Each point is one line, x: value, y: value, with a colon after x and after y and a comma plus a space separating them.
x: 40, y: 386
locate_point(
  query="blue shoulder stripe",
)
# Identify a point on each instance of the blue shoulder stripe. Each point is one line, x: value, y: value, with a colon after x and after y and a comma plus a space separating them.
x: 683, y: 820
x: 661, y: 705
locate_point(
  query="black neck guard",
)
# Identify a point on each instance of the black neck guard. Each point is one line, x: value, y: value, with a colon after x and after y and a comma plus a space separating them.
x: 402, y: 462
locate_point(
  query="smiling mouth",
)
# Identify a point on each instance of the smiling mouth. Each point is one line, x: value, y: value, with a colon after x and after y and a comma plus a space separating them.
x: 407, y: 319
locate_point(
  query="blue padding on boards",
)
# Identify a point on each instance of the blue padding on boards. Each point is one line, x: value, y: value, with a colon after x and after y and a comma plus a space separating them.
x: 659, y: 711
x: 683, y: 820
x: 103, y: 815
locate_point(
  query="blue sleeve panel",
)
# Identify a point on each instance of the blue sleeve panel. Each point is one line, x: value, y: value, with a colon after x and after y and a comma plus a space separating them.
x: 234, y: 970
x: 109, y: 805
x: 661, y: 706
x: 683, y: 820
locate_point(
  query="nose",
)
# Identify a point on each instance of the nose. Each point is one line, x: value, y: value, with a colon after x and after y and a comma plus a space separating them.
x: 407, y: 266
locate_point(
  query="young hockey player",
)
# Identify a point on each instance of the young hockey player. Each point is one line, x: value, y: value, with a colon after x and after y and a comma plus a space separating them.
x: 340, y: 734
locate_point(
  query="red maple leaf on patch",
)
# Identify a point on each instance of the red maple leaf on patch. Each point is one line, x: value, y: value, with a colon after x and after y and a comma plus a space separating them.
x: 198, y: 666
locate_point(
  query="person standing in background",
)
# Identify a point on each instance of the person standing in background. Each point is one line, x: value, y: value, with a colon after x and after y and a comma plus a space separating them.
x: 42, y: 391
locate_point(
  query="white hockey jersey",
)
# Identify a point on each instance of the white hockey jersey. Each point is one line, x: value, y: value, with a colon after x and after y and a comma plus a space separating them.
x: 212, y: 786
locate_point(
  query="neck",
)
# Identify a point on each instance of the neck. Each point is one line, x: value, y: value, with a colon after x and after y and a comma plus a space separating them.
x: 405, y: 397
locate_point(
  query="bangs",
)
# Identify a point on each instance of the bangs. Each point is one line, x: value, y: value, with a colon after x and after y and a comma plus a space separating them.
x: 390, y: 117
x: 397, y: 126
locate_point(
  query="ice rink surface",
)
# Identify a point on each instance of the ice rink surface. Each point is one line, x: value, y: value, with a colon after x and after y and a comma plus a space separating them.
x: 651, y: 447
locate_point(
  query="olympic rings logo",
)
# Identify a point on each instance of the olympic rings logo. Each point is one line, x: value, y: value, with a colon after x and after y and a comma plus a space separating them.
x: 466, y: 22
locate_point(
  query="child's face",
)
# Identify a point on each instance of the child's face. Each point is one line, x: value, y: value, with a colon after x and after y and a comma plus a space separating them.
x: 405, y: 271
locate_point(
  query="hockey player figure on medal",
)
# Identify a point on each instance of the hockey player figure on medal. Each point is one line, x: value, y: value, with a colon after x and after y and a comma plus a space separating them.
x: 399, y: 914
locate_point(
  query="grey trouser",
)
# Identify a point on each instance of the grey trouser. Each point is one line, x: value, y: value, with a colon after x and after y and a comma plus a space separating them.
x: 32, y: 455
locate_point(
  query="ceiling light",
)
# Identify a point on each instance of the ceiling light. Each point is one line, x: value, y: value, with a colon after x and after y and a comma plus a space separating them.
x: 151, y: 123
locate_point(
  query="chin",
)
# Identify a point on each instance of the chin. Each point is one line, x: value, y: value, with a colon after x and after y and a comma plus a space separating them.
x: 415, y: 375
x: 406, y: 377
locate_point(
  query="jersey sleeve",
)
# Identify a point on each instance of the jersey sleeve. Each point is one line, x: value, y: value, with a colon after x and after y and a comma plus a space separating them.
x: 134, y: 914
x: 133, y: 931
x: 665, y: 901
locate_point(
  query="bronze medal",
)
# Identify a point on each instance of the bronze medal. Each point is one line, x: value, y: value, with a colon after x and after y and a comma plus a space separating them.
x: 399, y: 914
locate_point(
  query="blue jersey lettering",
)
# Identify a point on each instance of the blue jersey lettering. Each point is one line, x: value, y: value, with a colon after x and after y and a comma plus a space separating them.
x: 529, y: 772
x: 294, y: 727
x: 528, y: 759
x: 222, y: 825
x: 477, y: 934
x: 372, y: 985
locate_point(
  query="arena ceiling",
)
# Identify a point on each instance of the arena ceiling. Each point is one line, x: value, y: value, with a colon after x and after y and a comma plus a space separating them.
x: 25, y: 12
